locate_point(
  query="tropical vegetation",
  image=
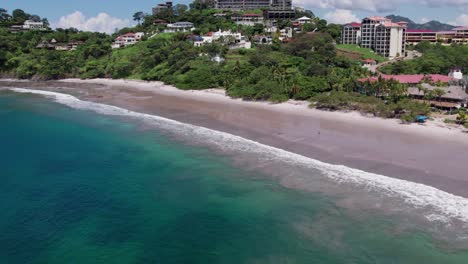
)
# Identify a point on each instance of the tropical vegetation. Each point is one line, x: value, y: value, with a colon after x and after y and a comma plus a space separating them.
x: 435, y: 59
x: 307, y: 68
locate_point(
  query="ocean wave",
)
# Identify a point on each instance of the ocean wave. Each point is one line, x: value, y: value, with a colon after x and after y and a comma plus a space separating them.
x: 442, y: 206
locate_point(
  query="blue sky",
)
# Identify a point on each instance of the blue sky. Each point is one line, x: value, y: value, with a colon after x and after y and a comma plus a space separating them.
x: 118, y: 13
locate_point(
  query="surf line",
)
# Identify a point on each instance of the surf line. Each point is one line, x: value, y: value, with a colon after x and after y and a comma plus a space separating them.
x: 443, y: 205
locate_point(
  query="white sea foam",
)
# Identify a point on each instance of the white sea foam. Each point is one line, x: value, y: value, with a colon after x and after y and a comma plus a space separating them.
x: 442, y: 205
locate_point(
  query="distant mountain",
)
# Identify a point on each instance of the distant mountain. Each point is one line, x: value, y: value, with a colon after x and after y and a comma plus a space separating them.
x: 431, y: 25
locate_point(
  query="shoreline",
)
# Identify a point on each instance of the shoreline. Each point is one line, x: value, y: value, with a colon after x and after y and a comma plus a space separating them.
x: 426, y: 154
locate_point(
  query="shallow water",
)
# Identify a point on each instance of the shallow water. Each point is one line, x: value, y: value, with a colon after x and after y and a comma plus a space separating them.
x: 86, y: 188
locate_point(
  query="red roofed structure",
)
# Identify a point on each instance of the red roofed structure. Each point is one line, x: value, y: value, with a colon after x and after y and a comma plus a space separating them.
x: 414, y: 36
x: 127, y: 39
x: 354, y: 24
x: 410, y: 78
x: 351, y: 33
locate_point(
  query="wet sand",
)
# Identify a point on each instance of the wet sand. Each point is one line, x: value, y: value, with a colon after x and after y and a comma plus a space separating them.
x: 425, y: 154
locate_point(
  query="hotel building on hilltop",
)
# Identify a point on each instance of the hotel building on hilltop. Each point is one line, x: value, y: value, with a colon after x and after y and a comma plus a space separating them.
x: 242, y: 4
x: 458, y: 35
x: 414, y: 36
x: 274, y: 9
x: 162, y: 7
x: 351, y: 34
x: 379, y: 34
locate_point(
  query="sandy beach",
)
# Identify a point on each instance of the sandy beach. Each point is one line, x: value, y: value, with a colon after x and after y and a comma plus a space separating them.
x: 432, y: 154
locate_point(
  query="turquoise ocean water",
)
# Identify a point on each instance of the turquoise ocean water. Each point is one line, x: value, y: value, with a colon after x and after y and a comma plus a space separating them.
x: 79, y: 187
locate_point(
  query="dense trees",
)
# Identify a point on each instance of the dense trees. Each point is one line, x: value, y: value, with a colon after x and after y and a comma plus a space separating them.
x: 307, y: 68
x: 436, y: 59
x: 138, y: 16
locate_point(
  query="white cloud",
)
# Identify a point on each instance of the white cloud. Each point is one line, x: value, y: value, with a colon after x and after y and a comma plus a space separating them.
x: 340, y: 16
x: 103, y: 22
x: 461, y: 20
x: 424, y: 20
x: 365, y: 5
x: 375, y: 5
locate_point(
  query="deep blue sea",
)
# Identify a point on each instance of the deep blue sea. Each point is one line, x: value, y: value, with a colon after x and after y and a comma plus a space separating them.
x: 82, y: 187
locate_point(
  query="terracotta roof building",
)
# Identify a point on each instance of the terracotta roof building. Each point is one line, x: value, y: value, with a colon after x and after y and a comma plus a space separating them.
x: 379, y: 34
x: 351, y: 33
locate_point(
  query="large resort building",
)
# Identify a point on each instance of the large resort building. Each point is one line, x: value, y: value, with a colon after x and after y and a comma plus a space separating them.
x: 457, y: 35
x: 379, y: 34
x: 274, y: 9
x: 242, y: 4
x: 162, y: 7
x: 414, y: 36
x: 351, y: 34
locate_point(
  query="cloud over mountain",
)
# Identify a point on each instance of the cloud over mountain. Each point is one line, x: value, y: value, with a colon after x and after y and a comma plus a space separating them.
x: 375, y: 5
x: 103, y: 22
x: 341, y: 16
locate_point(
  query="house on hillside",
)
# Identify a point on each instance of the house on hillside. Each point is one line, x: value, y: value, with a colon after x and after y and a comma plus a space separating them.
x: 54, y: 45
x: 231, y: 39
x: 160, y: 8
x: 179, y: 27
x: 368, y: 63
x: 34, y: 25
x: 28, y: 25
x: 161, y: 22
x: 127, y: 39
x: 50, y: 45
x: 263, y: 39
x: 247, y: 19
x: 304, y: 20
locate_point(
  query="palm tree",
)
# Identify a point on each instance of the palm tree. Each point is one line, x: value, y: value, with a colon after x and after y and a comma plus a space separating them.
x: 295, y: 88
x: 428, y: 95
x: 237, y: 67
x: 439, y: 93
x: 420, y: 88
x: 397, y: 90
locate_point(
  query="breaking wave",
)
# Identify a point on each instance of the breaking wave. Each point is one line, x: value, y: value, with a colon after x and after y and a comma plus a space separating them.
x: 439, y: 206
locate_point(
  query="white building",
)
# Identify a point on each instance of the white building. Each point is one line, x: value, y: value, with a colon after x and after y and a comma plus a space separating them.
x: 127, y: 39
x: 248, y: 19
x: 456, y: 73
x: 383, y: 36
x: 390, y: 39
x: 33, y: 25
x: 351, y: 34
x: 304, y: 20
x: 179, y: 27
x: 286, y: 33
x: 236, y: 40
x: 368, y: 30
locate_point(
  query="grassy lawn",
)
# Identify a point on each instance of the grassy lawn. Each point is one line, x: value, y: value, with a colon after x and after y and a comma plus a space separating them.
x: 365, y: 53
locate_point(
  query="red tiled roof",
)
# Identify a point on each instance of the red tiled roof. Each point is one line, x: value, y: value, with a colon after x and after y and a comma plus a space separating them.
x: 369, y: 60
x: 354, y: 24
x: 410, y: 78
x: 130, y: 34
